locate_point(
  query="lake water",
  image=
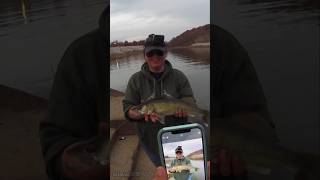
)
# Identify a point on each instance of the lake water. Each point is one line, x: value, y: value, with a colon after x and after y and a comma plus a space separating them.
x: 32, y: 43
x: 199, y: 174
x: 281, y: 36
x: 282, y: 39
x: 194, y: 63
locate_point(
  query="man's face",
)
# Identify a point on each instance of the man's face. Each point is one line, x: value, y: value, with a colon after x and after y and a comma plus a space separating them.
x: 179, y: 154
x: 156, y: 60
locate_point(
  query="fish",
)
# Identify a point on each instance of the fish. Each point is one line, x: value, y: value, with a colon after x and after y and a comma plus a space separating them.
x: 261, y: 155
x: 245, y: 137
x: 180, y: 168
x: 166, y: 106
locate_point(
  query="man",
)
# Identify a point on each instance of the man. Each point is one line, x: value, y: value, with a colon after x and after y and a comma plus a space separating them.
x: 236, y: 94
x: 78, y: 108
x: 157, y: 78
x: 180, y: 160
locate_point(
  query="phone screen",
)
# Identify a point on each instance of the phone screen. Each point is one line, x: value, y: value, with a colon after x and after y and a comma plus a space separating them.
x: 183, y: 153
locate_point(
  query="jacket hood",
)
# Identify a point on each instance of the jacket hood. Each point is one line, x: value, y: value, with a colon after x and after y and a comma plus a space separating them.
x: 167, y: 69
x: 146, y: 72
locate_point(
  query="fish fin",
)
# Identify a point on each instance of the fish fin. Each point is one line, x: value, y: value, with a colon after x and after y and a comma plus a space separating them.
x: 201, y: 119
x: 162, y: 119
x: 206, y: 115
x: 190, y: 100
x: 152, y: 96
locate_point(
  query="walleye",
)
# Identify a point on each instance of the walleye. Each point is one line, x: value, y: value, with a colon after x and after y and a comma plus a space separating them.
x: 168, y: 106
x: 180, y: 168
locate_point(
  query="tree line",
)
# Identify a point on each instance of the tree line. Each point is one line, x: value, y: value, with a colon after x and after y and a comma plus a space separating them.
x: 195, y: 35
x: 127, y: 43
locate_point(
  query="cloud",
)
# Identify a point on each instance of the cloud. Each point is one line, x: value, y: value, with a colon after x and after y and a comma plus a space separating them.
x: 139, y: 18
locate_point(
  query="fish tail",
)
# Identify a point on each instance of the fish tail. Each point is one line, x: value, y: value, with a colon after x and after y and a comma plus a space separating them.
x: 199, y: 117
x: 206, y: 116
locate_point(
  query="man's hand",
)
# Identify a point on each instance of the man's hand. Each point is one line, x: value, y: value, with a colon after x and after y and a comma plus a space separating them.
x: 172, y: 170
x: 133, y: 113
x: 228, y: 164
x: 160, y: 174
x: 153, y: 117
x: 180, y: 113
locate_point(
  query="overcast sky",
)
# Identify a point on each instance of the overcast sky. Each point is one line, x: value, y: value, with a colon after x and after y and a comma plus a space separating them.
x: 135, y: 19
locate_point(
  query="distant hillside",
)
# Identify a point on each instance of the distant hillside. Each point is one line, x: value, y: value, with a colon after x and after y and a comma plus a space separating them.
x: 196, y: 152
x: 196, y: 155
x: 198, y: 35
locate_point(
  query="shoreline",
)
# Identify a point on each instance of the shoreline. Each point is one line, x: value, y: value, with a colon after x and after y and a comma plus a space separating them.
x: 125, y: 51
x: 195, y: 45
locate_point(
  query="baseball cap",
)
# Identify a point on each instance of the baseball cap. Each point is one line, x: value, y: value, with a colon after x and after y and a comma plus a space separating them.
x: 155, y: 42
x: 179, y: 149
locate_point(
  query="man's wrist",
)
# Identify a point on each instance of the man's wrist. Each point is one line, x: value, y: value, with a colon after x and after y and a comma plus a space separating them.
x: 132, y: 114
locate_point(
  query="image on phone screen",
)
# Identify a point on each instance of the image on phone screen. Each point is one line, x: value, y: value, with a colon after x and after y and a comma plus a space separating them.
x: 183, y: 154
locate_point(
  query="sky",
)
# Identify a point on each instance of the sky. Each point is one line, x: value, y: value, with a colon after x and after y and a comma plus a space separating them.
x: 135, y: 19
x: 188, y: 147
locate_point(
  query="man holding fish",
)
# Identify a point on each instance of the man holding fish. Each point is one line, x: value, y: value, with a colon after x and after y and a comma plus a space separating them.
x: 237, y: 94
x: 156, y: 82
x: 154, y: 95
x: 76, y: 108
x: 180, y: 166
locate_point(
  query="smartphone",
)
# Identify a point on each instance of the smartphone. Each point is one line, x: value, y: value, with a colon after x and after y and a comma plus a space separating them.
x: 183, y: 152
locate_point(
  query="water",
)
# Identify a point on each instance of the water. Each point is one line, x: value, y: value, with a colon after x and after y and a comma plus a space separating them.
x: 282, y: 39
x: 34, y: 38
x: 194, y: 63
x: 200, y: 174
x: 281, y: 36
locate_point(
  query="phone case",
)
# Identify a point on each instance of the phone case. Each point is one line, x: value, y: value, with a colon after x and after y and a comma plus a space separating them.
x: 182, y: 127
